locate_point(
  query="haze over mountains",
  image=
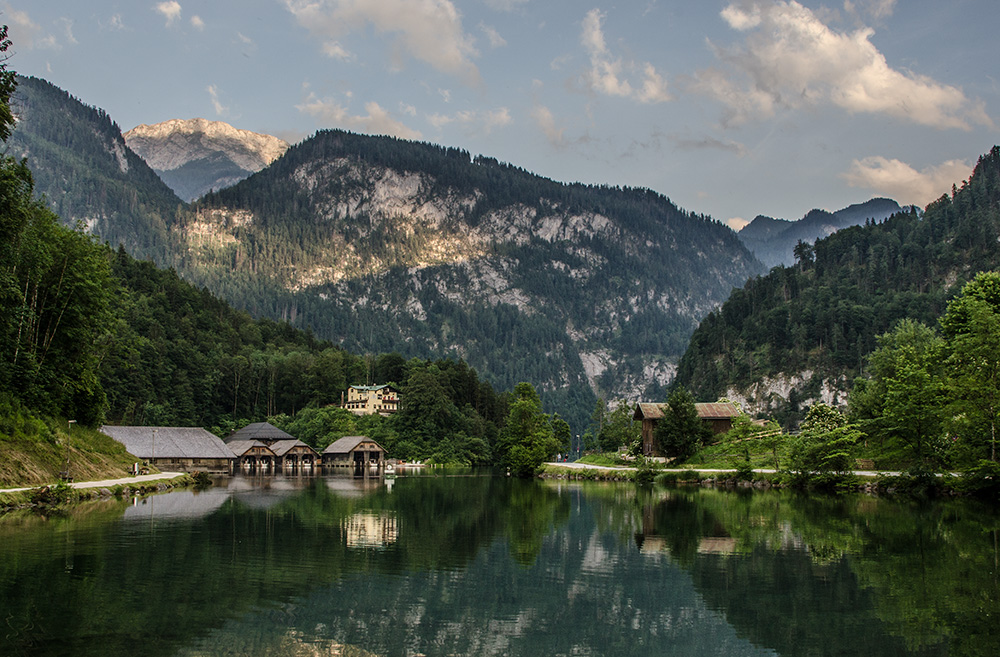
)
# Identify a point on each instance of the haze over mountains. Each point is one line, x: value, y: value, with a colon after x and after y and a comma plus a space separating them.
x: 773, y: 240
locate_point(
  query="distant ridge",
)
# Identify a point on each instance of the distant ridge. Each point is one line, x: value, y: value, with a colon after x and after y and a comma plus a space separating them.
x: 197, y: 156
x: 772, y: 240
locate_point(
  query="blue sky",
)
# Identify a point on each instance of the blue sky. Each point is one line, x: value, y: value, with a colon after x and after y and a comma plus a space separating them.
x: 730, y: 108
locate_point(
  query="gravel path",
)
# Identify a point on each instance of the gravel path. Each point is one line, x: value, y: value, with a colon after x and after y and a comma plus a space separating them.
x: 106, y: 483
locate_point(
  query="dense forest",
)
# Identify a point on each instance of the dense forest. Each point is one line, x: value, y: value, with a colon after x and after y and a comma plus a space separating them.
x: 821, y: 316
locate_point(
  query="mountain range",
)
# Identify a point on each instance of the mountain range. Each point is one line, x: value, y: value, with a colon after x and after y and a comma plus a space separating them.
x: 773, y: 240
x: 382, y: 245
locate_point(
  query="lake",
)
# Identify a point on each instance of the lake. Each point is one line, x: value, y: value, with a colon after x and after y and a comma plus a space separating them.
x: 478, y: 565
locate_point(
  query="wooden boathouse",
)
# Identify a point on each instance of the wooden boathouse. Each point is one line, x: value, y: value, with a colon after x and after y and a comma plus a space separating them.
x: 253, y: 456
x: 294, y: 455
x: 181, y: 449
x: 359, y: 452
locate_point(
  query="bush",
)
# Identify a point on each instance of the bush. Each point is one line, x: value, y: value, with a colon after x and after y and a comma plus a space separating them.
x: 744, y: 472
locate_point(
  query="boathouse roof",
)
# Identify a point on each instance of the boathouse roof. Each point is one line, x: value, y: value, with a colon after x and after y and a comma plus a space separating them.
x: 259, y: 431
x: 241, y: 447
x: 348, y: 444
x: 282, y: 447
x: 169, y: 442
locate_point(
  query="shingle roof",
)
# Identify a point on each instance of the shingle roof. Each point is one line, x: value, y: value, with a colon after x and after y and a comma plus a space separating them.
x: 259, y: 431
x: 169, y: 442
x: 282, y: 447
x: 241, y: 447
x: 346, y: 444
x: 706, y: 411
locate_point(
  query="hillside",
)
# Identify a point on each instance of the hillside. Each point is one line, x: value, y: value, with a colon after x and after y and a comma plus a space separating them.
x: 803, y: 332
x: 196, y: 156
x: 381, y: 244
x: 773, y: 240
x: 86, y: 172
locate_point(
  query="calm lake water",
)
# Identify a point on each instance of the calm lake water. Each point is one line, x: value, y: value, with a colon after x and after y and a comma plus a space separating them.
x: 464, y: 565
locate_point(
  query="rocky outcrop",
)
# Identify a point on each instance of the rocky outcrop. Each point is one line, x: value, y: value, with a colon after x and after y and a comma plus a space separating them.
x: 195, y: 156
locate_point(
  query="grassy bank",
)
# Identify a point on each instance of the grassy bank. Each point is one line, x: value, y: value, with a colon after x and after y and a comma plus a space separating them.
x: 47, y: 498
x: 35, y: 451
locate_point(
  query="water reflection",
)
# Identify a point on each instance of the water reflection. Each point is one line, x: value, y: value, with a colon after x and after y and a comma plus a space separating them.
x: 493, y: 566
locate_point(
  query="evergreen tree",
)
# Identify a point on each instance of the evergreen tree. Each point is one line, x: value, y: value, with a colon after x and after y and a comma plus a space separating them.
x: 680, y: 433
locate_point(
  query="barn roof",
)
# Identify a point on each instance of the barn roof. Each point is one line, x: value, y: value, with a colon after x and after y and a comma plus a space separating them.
x: 259, y: 431
x: 241, y: 447
x: 706, y: 411
x: 348, y: 443
x: 282, y: 447
x: 169, y: 442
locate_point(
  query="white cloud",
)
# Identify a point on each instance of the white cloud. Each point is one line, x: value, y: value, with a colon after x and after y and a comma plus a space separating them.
x: 791, y: 59
x: 496, y: 41
x: 606, y: 75
x: 877, y: 9
x: 68, y: 31
x: 24, y: 32
x: 474, y: 122
x: 117, y: 22
x: 900, y: 181
x: 197, y: 23
x: 334, y: 50
x: 505, y: 5
x: 736, y: 223
x: 429, y: 30
x: 547, y: 123
x: 378, y: 121
x: 213, y: 92
x: 171, y: 11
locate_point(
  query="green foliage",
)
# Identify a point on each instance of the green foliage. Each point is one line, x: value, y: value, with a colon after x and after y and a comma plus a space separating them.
x: 617, y: 429
x: 527, y: 439
x: 681, y: 432
x: 972, y: 329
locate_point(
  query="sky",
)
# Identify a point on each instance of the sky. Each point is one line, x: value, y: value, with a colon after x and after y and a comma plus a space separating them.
x: 730, y: 108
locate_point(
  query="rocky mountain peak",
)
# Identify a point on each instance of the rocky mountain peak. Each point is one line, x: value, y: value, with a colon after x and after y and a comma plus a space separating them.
x: 195, y: 156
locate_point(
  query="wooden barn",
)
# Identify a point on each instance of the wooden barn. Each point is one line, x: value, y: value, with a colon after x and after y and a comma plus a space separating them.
x: 253, y: 456
x: 359, y: 452
x: 180, y: 449
x: 718, y: 416
x: 294, y: 455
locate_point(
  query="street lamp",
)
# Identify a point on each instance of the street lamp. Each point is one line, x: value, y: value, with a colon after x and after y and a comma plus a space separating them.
x: 152, y: 458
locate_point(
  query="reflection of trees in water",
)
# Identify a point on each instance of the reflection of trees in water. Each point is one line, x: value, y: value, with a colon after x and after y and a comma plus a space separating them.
x: 822, y: 575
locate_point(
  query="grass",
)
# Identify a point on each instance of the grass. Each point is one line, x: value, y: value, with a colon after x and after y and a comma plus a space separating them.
x: 34, y: 450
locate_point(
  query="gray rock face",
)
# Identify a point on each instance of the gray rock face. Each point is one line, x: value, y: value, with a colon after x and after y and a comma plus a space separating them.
x: 196, y: 156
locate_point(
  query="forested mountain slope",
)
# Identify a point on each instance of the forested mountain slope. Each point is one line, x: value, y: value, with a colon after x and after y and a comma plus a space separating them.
x: 803, y: 332
x: 385, y: 244
x: 81, y: 164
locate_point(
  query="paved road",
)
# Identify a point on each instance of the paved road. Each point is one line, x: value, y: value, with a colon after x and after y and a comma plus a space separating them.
x: 107, y: 483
